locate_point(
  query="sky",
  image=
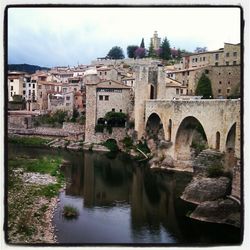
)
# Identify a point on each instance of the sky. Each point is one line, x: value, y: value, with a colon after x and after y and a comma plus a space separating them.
x: 70, y: 36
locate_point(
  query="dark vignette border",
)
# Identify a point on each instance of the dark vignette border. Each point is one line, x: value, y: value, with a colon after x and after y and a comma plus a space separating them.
x: 5, y: 42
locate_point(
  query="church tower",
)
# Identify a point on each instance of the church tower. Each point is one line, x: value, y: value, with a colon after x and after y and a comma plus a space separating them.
x: 156, y: 41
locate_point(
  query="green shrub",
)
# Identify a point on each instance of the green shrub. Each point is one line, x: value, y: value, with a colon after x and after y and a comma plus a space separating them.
x: 70, y: 212
x: 143, y: 147
x: 99, y: 128
x: 128, y: 142
x: 111, y: 145
x: 215, y: 171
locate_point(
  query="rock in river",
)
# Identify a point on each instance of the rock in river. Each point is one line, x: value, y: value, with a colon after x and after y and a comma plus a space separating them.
x: 220, y: 211
x: 206, y: 189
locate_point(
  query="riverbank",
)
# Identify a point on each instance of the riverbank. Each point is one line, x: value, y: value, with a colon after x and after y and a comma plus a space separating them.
x: 33, y: 188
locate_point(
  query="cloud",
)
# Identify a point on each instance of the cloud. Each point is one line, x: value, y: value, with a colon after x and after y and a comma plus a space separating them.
x: 65, y: 36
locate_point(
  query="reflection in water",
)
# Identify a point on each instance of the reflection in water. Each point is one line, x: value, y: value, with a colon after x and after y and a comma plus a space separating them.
x: 121, y: 202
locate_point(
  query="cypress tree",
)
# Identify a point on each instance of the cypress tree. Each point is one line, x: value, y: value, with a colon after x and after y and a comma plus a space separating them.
x: 204, y: 87
x: 142, y: 43
x: 165, y: 49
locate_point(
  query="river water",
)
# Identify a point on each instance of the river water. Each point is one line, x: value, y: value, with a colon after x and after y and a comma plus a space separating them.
x: 123, y: 202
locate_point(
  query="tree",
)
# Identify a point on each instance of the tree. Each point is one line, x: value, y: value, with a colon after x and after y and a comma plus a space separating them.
x: 131, y: 50
x: 116, y: 53
x: 151, y: 51
x: 140, y: 52
x: 142, y: 44
x: 204, y: 87
x: 165, y: 49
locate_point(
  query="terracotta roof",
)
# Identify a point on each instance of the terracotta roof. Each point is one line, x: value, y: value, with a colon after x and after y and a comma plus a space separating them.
x: 50, y: 83
x: 173, y: 83
x: 114, y: 84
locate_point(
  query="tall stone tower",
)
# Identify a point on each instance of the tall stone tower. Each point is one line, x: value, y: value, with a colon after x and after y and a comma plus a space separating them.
x: 90, y: 79
x: 156, y: 41
x: 149, y: 80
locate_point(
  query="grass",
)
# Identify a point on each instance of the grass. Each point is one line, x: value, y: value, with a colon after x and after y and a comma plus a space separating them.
x: 30, y: 141
x: 26, y: 215
x: 70, y: 212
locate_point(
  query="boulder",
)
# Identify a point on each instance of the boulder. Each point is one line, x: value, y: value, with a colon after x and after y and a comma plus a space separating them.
x: 220, y: 211
x: 206, y: 189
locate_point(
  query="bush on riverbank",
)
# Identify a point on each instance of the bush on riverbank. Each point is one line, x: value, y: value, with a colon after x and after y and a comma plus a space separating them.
x: 111, y: 144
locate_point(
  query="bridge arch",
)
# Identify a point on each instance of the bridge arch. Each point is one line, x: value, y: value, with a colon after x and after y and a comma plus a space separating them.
x: 155, y: 127
x: 190, y: 139
x: 230, y: 139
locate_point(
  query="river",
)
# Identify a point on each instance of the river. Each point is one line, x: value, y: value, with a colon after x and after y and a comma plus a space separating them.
x: 123, y: 202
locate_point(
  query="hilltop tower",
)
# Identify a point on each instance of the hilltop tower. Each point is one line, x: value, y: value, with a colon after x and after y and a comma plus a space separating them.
x: 156, y: 41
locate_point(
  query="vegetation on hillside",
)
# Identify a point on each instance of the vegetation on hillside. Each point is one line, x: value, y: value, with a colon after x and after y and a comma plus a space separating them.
x: 25, y: 68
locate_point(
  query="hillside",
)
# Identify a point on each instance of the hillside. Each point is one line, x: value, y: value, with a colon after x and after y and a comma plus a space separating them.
x: 25, y: 68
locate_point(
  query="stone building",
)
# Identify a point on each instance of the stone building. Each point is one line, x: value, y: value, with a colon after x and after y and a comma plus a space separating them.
x: 156, y: 41
x: 16, y: 84
x: 63, y: 102
x: 102, y: 97
x: 225, y: 80
x: 44, y: 89
x: 229, y: 55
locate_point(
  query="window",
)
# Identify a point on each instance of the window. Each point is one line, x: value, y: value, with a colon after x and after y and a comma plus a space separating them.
x: 11, y: 94
x: 219, y: 91
x: 183, y: 82
x: 24, y: 85
x: 227, y: 63
x: 106, y: 97
x: 204, y: 58
x: 219, y: 73
x: 183, y: 73
x: 64, y: 90
x: 219, y: 82
x: 200, y: 59
x: 206, y: 71
x: 188, y: 73
x: 216, y: 56
x: 33, y: 80
x: 132, y: 82
x: 100, y: 97
x: 216, y: 64
x: 229, y: 73
x: 235, y: 54
x: 39, y: 86
x: 196, y: 59
x: 67, y: 104
x: 228, y: 82
x: 234, y: 62
x: 24, y: 92
x: 109, y: 83
x: 33, y: 85
x: 33, y: 92
x: 67, y: 98
x: 11, y: 87
x: 113, y: 110
x: 181, y: 91
x: 75, y: 89
x: 29, y: 85
x: 177, y: 91
x: 41, y: 94
x: 57, y: 89
x: 120, y: 110
x: 193, y: 60
x: 227, y: 54
x: 100, y: 73
x: 29, y: 92
x: 228, y: 90
x: 11, y: 80
x: 105, y: 73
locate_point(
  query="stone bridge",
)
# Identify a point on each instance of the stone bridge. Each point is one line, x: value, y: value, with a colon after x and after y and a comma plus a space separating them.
x: 220, y: 120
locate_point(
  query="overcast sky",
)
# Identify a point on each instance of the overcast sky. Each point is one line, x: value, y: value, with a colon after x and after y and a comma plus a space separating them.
x: 68, y: 36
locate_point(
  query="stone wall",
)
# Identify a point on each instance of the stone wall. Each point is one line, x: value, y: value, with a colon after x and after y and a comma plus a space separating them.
x: 236, y: 183
x: 19, y: 121
x: 72, y: 130
x: 117, y: 134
